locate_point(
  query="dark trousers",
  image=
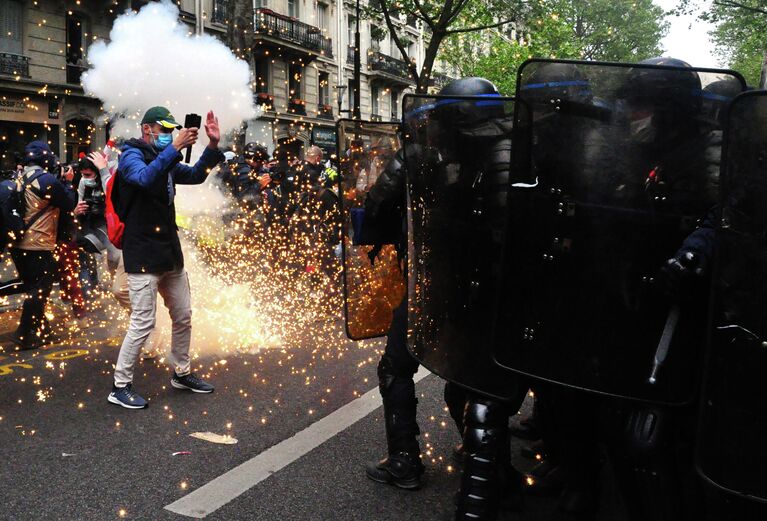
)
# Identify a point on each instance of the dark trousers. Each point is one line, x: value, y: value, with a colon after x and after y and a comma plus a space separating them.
x: 395, y: 380
x: 38, y: 271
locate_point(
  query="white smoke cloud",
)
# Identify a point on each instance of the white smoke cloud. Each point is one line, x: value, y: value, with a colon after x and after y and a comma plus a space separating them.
x: 153, y: 59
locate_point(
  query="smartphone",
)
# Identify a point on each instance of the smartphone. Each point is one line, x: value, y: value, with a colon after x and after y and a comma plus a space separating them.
x: 191, y: 121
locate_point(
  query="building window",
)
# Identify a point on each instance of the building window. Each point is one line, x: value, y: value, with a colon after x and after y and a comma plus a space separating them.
x: 351, y: 28
x: 295, y: 78
x: 375, y: 37
x: 10, y: 27
x: 322, y: 16
x: 323, y: 89
x: 79, y: 137
x: 374, y: 94
x: 262, y: 75
x: 394, y: 104
x: 260, y: 3
x: 293, y: 8
x: 77, y: 41
x: 221, y: 11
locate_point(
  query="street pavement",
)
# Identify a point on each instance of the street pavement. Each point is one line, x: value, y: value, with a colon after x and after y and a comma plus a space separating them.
x: 67, y: 454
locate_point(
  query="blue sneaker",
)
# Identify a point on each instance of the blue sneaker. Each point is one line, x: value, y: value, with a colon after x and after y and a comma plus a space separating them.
x: 191, y: 382
x: 126, y: 397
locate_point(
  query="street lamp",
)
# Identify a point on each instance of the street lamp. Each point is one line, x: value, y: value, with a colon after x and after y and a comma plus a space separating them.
x: 357, y: 67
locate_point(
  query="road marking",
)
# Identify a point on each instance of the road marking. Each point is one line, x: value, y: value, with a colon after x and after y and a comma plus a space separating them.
x: 223, y: 489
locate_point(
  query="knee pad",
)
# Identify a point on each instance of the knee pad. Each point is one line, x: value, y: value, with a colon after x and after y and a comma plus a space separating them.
x: 396, y: 386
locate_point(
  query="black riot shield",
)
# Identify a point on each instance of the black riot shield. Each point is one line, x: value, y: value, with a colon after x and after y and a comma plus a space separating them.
x: 458, y: 162
x: 733, y: 427
x: 625, y: 162
x: 373, y: 270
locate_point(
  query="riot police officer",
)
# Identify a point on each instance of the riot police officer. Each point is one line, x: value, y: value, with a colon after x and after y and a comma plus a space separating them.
x: 625, y: 193
x: 456, y: 154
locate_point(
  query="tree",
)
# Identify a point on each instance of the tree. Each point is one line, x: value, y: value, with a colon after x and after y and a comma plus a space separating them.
x: 578, y: 29
x: 740, y: 33
x: 441, y: 19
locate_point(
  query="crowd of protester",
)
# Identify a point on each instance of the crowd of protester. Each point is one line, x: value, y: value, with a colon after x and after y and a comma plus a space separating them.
x: 292, y: 198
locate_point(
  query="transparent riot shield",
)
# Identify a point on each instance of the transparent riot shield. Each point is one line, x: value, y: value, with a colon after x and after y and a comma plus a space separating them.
x: 373, y: 270
x: 733, y: 427
x: 458, y: 163
x: 625, y: 162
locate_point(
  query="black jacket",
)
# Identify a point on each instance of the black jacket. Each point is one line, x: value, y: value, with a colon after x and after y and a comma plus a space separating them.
x: 143, y: 194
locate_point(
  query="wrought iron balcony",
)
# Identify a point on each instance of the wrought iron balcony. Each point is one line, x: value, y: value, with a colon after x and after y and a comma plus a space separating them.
x: 264, y: 99
x: 297, y: 106
x: 287, y: 29
x: 376, y: 117
x: 14, y: 65
x: 439, y: 80
x: 75, y: 72
x: 380, y: 62
x: 325, y: 111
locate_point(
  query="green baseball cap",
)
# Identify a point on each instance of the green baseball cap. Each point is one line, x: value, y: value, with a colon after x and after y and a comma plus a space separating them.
x: 160, y: 115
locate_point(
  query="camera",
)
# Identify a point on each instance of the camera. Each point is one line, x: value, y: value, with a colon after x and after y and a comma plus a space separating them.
x: 96, y: 199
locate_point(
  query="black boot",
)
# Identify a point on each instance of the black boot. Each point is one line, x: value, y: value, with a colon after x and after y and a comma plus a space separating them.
x: 402, y: 467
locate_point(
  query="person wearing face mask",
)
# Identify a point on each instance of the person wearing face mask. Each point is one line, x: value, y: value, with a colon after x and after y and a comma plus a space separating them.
x: 92, y: 238
x: 143, y: 195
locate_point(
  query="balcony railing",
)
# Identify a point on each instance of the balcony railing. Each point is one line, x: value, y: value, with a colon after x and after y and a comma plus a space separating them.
x: 381, y: 62
x: 289, y: 29
x: 74, y: 73
x: 325, y: 111
x: 14, y: 65
x: 297, y: 106
x: 264, y: 99
x: 439, y: 80
x: 376, y: 117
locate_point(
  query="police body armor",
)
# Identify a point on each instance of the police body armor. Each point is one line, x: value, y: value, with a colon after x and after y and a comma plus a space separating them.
x: 618, y: 181
x: 731, y: 453
x: 458, y: 157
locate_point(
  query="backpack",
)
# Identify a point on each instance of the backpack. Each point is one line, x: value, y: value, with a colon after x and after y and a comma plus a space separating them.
x: 115, y: 227
x: 13, y: 209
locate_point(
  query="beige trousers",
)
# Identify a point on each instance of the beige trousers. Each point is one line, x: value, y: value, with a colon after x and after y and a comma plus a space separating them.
x: 143, y: 289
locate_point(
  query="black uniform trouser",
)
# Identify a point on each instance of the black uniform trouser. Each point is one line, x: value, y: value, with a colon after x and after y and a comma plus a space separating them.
x: 395, y: 381
x: 38, y: 271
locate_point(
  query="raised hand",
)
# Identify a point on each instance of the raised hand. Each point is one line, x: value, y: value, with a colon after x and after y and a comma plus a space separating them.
x: 212, y: 130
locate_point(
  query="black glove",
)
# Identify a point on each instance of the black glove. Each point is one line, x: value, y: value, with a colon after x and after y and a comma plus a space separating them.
x: 680, y: 275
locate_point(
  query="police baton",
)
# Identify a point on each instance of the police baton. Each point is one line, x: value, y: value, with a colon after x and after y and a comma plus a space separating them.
x: 661, y: 353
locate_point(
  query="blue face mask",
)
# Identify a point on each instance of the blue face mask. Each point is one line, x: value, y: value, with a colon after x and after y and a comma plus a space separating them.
x: 161, y: 141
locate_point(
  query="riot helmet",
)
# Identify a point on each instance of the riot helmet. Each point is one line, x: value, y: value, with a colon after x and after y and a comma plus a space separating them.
x: 661, y: 101
x: 717, y: 96
x: 550, y: 83
x: 468, y: 113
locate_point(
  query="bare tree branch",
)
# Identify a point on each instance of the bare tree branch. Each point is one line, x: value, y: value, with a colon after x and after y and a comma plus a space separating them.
x: 739, y: 5
x: 478, y: 28
x: 395, y: 37
x: 424, y: 15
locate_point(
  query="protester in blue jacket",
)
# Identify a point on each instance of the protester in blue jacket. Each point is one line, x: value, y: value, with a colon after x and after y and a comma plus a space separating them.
x: 143, y: 195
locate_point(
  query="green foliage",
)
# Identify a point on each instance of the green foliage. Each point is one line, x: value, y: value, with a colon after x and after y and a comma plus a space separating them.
x: 580, y: 29
x: 740, y: 35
